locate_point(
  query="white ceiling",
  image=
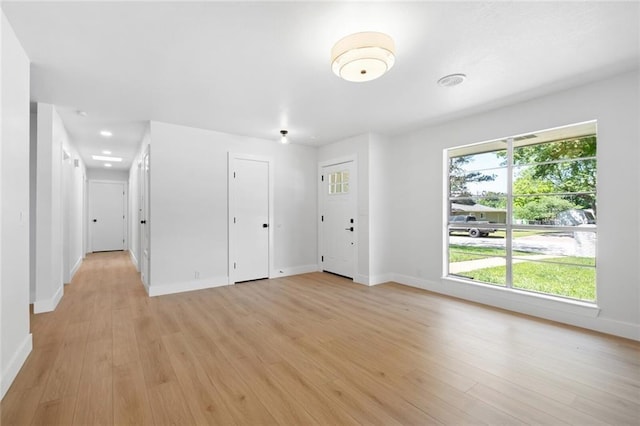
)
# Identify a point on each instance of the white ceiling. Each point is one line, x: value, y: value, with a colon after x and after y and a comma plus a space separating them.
x: 253, y: 68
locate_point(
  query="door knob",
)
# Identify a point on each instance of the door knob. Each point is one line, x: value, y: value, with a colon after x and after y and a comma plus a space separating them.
x: 95, y: 220
x: 265, y: 225
x: 143, y: 222
x: 349, y: 229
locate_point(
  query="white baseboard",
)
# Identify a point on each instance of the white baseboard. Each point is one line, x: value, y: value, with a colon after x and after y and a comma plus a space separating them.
x: 294, y: 270
x: 380, y: 279
x: 567, y: 312
x: 163, y: 289
x: 13, y: 367
x: 49, y: 305
x: 134, y: 260
x: 75, y: 269
x: 361, y: 279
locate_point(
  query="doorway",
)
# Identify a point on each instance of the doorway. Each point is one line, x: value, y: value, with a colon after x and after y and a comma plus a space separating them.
x: 145, y: 225
x: 107, y: 215
x: 250, y: 217
x: 338, y: 225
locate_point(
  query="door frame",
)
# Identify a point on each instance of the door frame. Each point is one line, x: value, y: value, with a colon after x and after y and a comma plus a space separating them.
x: 231, y: 206
x: 354, y: 193
x: 144, y: 213
x: 125, y: 221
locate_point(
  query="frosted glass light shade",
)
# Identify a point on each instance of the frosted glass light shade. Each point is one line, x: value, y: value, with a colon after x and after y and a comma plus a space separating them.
x: 363, y: 56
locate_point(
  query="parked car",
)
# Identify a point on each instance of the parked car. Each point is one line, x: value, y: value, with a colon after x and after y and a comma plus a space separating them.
x: 467, y: 223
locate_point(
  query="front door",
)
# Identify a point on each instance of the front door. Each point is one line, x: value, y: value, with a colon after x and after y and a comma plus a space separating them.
x: 338, y: 221
x: 248, y: 219
x: 107, y: 215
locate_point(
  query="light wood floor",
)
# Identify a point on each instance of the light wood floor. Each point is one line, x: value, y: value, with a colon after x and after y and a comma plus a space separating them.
x: 309, y: 349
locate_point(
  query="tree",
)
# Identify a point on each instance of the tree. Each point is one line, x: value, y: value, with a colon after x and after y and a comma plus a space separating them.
x: 459, y: 177
x: 543, y: 169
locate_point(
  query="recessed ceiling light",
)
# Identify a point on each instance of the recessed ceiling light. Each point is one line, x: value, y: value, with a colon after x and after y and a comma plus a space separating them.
x: 452, y: 80
x: 81, y: 113
x: 105, y: 152
x: 103, y: 158
x: 106, y: 133
x: 107, y: 165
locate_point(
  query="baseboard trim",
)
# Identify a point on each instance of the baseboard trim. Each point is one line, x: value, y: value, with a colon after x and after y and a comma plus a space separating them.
x: 49, y: 305
x: 294, y: 270
x: 134, y: 259
x: 17, y: 361
x: 380, y: 279
x: 574, y: 314
x: 75, y: 269
x: 164, y: 289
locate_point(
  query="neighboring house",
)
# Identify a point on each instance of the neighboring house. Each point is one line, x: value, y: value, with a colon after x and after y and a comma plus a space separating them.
x: 481, y: 212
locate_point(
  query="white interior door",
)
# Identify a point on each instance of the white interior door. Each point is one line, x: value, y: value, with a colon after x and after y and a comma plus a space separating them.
x: 107, y: 218
x: 338, y: 219
x: 144, y: 219
x: 248, y: 219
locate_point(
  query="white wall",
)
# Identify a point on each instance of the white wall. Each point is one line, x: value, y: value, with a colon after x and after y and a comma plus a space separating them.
x: 189, y: 206
x: 73, y: 188
x: 107, y: 174
x: 416, y: 249
x: 15, y: 339
x: 33, y: 150
x: 59, y: 210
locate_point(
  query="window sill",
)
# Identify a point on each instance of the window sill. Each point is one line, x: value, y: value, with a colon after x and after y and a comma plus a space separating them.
x: 546, y: 301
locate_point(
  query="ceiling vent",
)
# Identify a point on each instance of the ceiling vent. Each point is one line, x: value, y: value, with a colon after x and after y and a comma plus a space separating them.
x: 452, y: 80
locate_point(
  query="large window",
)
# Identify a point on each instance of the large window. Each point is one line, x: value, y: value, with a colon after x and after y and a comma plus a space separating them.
x: 522, y: 212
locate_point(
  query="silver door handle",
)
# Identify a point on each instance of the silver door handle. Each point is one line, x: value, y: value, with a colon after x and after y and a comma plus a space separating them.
x: 349, y: 229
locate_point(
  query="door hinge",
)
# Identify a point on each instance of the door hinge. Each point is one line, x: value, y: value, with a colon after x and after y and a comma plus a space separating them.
x: 322, y: 218
x: 234, y: 220
x: 321, y: 258
x: 234, y: 265
x: 234, y: 175
x: 322, y: 178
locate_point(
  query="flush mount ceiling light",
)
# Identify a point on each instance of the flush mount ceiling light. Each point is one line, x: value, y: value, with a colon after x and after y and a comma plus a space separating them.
x: 105, y: 152
x: 81, y: 113
x: 103, y: 158
x: 283, y: 136
x: 452, y: 80
x: 363, y: 56
x: 106, y: 133
x: 107, y: 165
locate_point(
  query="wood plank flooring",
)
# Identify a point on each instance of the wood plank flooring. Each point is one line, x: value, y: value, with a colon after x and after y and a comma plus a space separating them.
x: 309, y: 349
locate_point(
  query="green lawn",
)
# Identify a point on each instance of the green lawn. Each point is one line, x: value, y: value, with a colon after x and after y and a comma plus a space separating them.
x: 571, y: 281
x: 460, y: 253
x: 574, y: 277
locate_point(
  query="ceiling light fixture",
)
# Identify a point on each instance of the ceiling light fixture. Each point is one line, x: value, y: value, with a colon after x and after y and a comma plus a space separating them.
x: 81, y: 113
x: 106, y: 133
x: 363, y: 56
x: 452, y: 80
x: 107, y: 165
x: 283, y: 136
x: 105, y: 152
x: 103, y: 158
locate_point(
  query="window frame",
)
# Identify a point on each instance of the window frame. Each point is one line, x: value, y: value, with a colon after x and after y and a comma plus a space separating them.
x: 508, y: 227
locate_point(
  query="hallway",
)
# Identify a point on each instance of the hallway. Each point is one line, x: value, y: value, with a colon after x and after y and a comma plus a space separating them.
x: 308, y: 349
